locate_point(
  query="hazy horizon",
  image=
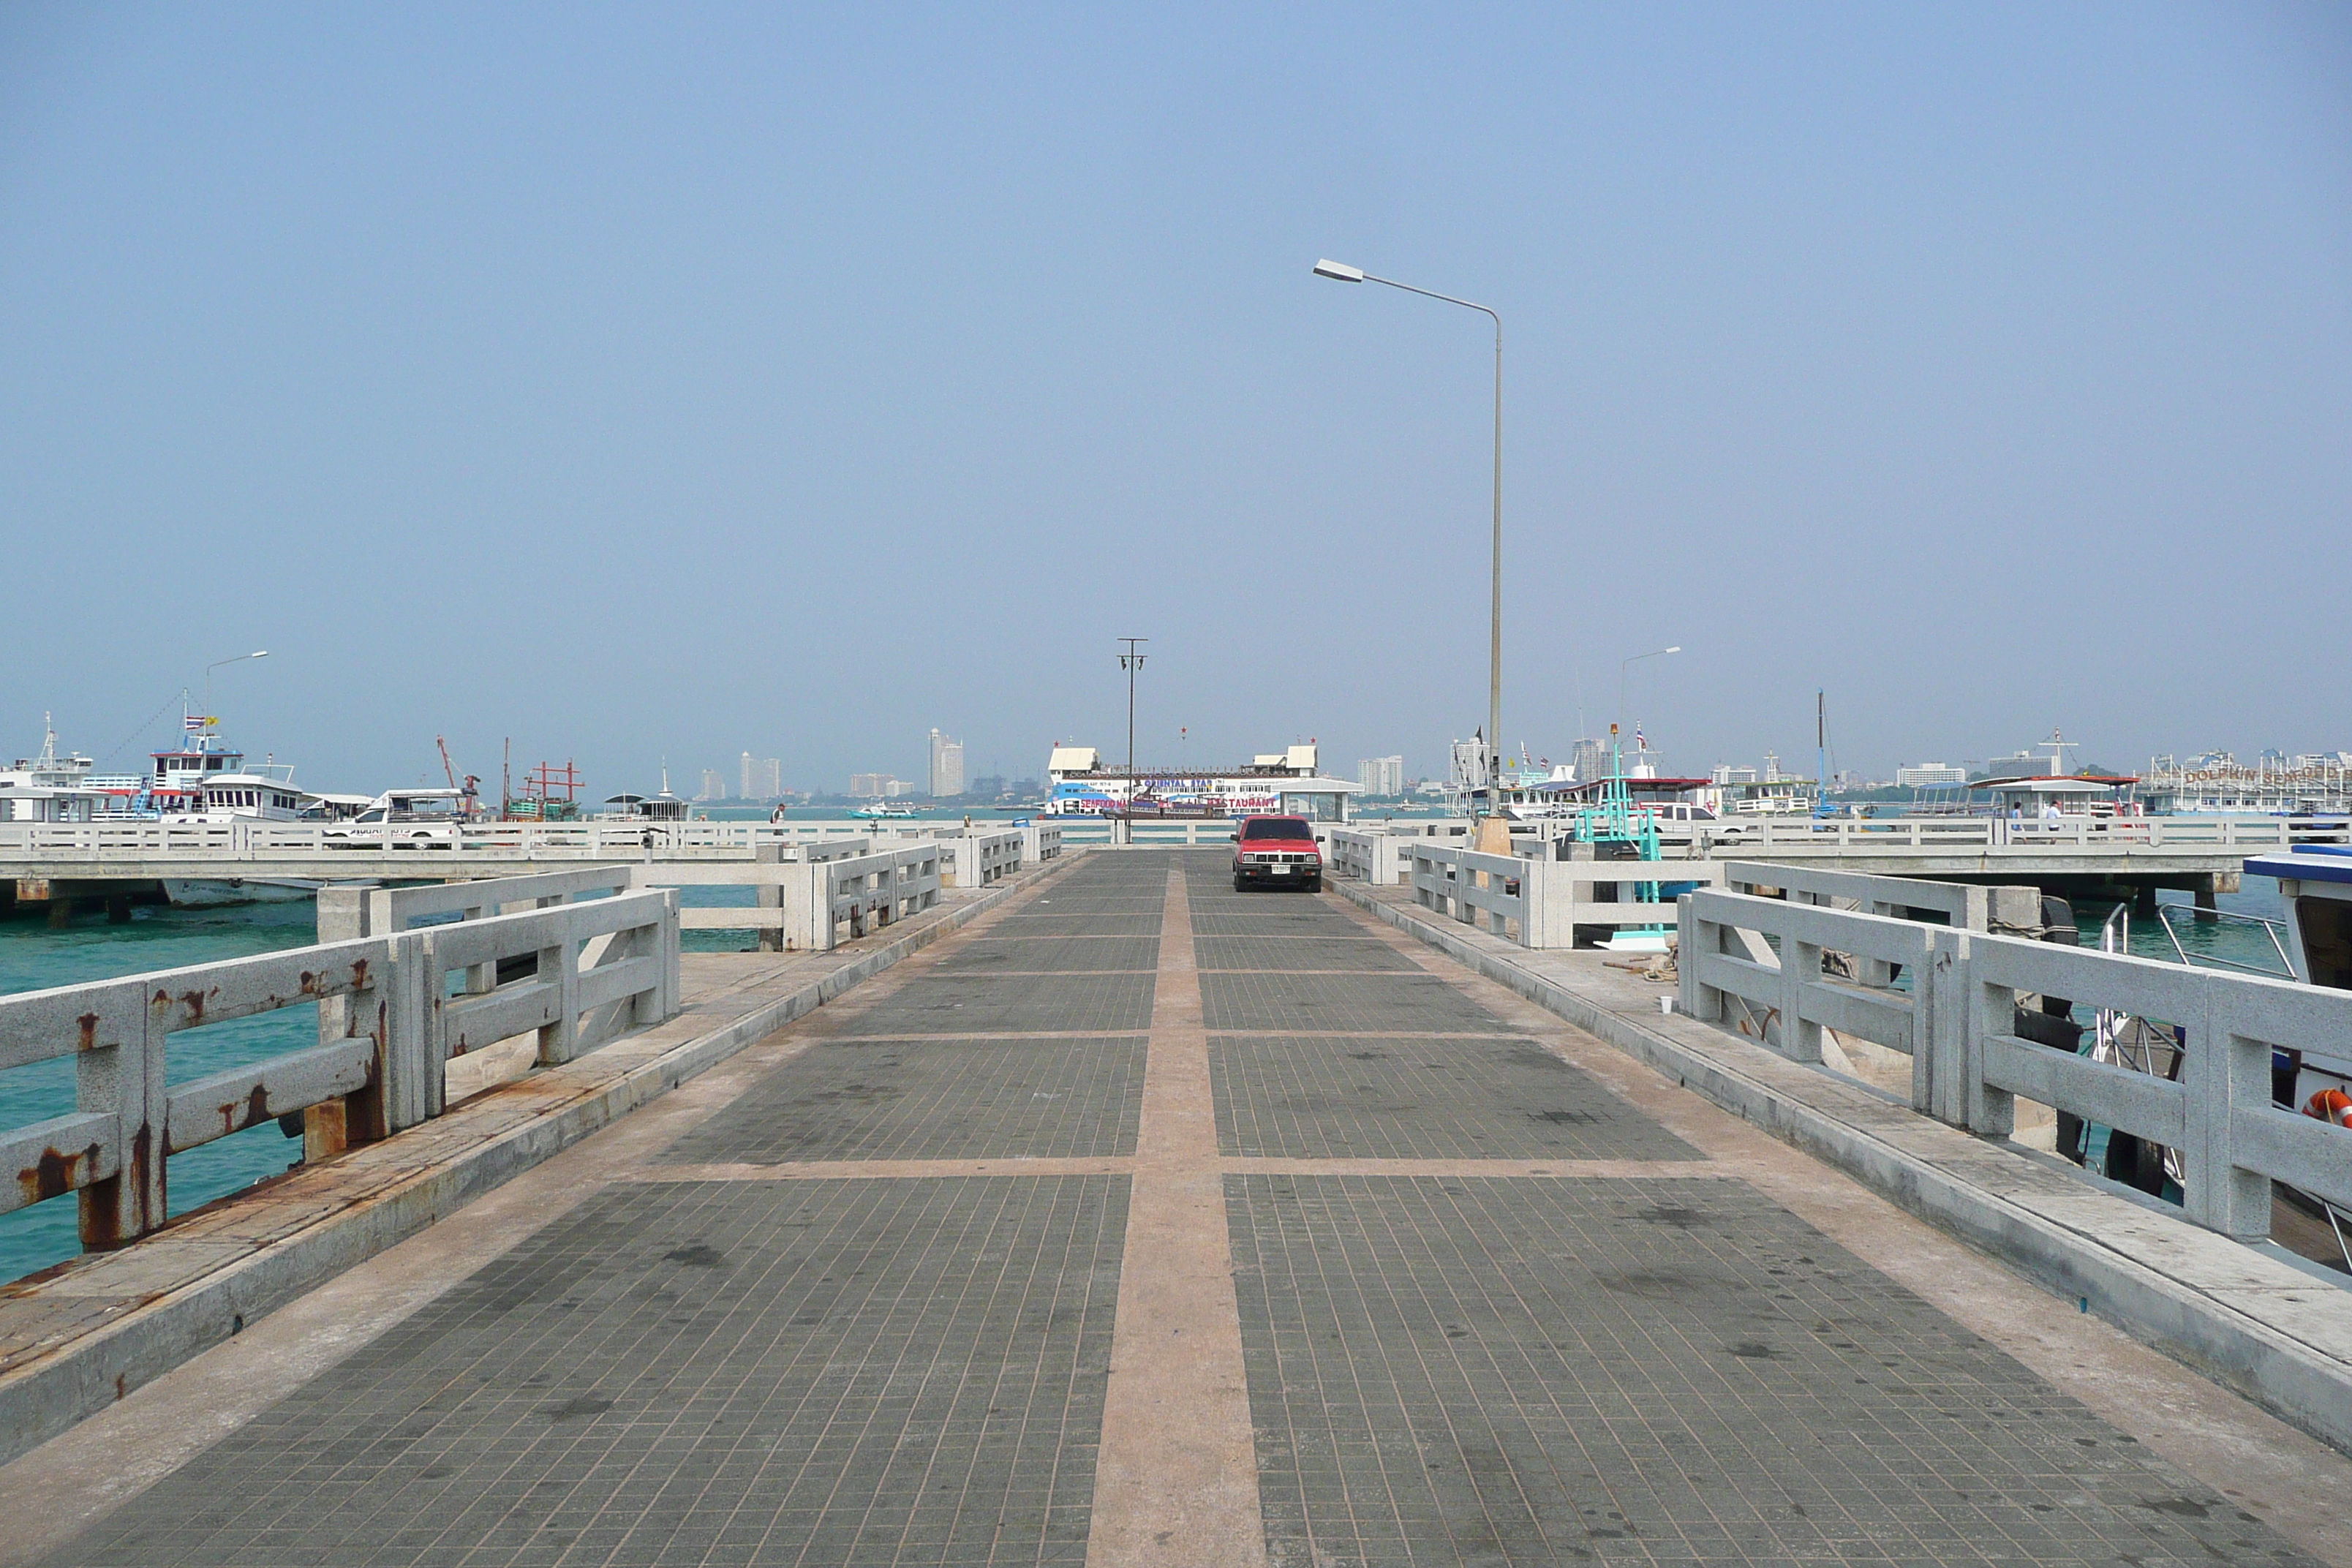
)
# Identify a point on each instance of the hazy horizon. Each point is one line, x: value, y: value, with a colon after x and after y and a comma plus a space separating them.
x: 665, y: 384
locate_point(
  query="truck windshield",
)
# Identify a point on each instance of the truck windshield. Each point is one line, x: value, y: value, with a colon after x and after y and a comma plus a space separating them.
x: 1277, y: 828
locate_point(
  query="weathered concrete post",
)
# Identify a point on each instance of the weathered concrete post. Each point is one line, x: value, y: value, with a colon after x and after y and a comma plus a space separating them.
x: 1695, y: 938
x: 1800, y: 965
x: 1989, y: 1111
x: 2225, y: 1075
x: 1945, y: 1044
x: 411, y: 1056
x: 558, y: 966
x: 344, y: 915
x: 770, y: 896
x: 119, y: 1071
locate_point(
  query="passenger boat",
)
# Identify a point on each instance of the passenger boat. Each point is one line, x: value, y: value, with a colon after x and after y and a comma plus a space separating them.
x: 2314, y: 883
x: 205, y: 780
x: 48, y: 787
x: 1284, y: 783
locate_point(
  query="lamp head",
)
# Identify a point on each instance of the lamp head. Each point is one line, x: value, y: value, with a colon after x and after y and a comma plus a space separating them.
x: 1338, y: 271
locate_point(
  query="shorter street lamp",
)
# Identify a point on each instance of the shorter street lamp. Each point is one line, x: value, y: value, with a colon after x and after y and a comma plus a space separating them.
x: 238, y: 658
x: 1131, y: 661
x: 1626, y: 664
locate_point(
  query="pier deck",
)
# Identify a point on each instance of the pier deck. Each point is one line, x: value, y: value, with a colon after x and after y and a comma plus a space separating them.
x: 1142, y: 1222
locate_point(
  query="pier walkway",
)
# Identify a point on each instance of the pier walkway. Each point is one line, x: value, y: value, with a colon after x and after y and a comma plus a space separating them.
x: 1144, y: 1222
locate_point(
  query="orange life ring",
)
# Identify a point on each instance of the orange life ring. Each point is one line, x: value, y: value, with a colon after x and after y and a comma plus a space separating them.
x: 2330, y: 1105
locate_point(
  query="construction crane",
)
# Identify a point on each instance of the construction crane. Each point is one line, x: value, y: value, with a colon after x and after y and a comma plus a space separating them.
x: 450, y: 770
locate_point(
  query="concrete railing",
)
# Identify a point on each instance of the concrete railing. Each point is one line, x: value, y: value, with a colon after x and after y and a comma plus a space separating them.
x: 1958, y: 1020
x: 1962, y: 904
x: 858, y: 893
x: 1366, y: 857
x: 1788, y: 1000
x: 1865, y: 834
x: 981, y: 859
x: 1540, y: 903
x: 577, y: 974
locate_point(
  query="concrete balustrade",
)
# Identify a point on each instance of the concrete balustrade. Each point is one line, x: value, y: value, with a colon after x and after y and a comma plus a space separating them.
x: 858, y: 892
x: 979, y: 859
x: 1540, y: 903
x: 1956, y: 1016
x: 575, y: 973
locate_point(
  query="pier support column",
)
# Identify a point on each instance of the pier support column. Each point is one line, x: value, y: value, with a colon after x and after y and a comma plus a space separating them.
x: 61, y: 911
x: 2144, y: 901
x: 2206, y: 903
x: 7, y: 897
x: 118, y: 908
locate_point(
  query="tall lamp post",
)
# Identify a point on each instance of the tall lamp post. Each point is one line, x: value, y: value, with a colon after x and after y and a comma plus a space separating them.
x: 1131, y: 661
x: 1339, y: 272
x: 238, y: 659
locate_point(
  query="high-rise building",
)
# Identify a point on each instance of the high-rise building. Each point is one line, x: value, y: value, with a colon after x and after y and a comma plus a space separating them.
x: 871, y: 786
x: 760, y: 778
x: 947, y: 766
x: 1927, y: 775
x: 1380, y: 775
x: 1589, y: 757
x: 714, y: 787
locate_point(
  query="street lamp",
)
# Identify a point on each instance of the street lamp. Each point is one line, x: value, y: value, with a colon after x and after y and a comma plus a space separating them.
x: 1339, y: 272
x: 1131, y: 661
x: 238, y: 658
x: 1626, y: 664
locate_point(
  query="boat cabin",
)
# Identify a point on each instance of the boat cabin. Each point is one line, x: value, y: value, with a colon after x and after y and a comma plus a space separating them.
x: 662, y: 807
x: 50, y: 802
x: 2314, y: 883
x: 419, y: 804
x: 248, y: 795
x: 2074, y: 795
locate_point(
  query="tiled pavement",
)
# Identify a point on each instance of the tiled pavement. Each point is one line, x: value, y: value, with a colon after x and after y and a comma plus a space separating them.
x: 930, y: 1361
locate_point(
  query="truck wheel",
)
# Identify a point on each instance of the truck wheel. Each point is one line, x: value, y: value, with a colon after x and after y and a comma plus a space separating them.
x: 1314, y: 884
x: 1240, y: 885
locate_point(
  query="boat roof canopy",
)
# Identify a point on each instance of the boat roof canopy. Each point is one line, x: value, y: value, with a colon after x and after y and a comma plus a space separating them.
x: 2057, y: 784
x: 1632, y: 785
x: 2312, y: 863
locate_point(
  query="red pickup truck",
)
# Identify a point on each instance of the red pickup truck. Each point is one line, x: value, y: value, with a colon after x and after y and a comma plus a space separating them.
x: 1276, y: 852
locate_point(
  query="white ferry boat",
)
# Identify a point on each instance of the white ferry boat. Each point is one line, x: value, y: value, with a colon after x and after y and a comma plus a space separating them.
x: 204, y: 780
x: 48, y: 788
x: 2314, y: 883
x: 1287, y: 782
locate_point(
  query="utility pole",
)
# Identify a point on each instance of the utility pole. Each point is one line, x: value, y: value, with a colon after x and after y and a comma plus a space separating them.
x: 1131, y: 661
x: 1821, y: 747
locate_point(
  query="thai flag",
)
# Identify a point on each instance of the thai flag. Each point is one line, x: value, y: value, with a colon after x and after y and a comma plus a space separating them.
x: 1640, y: 744
x: 193, y: 722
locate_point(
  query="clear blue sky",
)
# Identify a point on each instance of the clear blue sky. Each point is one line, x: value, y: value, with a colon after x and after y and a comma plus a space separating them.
x: 680, y: 381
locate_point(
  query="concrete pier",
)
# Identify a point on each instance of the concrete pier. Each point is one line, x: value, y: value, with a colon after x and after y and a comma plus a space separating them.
x: 1141, y: 1222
